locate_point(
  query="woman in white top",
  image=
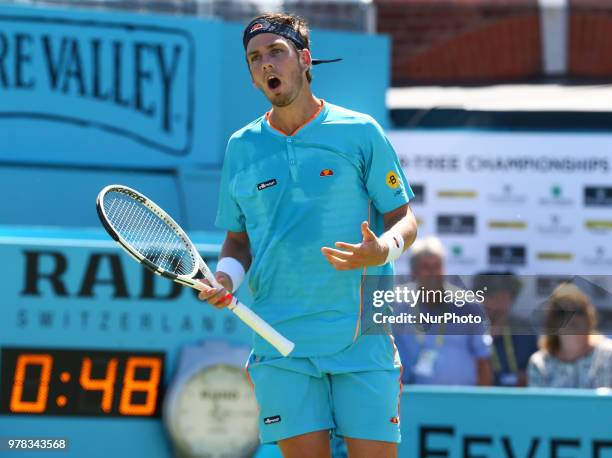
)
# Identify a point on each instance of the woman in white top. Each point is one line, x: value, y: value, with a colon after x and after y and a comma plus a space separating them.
x: 572, y: 354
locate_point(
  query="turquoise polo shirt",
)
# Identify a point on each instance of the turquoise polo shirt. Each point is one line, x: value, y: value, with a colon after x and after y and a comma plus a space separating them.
x: 295, y: 194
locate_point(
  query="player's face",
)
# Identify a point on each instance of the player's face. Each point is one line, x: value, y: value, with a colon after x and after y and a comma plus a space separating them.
x: 277, y: 68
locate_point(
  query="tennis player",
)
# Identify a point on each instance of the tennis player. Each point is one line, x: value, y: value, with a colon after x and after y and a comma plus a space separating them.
x: 313, y: 196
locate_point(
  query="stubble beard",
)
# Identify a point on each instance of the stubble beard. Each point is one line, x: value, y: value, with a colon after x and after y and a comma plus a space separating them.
x: 285, y: 99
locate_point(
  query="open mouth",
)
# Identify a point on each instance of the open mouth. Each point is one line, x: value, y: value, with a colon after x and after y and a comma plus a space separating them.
x: 273, y: 82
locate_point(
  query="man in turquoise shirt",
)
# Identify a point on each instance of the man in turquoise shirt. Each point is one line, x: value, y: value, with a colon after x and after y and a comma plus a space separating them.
x: 307, y: 193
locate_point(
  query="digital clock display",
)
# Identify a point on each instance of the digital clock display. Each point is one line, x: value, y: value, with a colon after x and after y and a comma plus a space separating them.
x: 35, y: 381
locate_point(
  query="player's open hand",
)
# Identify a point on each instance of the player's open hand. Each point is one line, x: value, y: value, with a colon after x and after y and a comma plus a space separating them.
x: 370, y: 252
x: 218, y: 297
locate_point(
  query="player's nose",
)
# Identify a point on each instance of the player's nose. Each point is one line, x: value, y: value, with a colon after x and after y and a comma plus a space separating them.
x: 266, y: 62
x: 267, y: 67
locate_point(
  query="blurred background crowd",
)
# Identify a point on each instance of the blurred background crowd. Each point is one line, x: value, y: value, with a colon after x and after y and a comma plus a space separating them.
x: 566, y: 351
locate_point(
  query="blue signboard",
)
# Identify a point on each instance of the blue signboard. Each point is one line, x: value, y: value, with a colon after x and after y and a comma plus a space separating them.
x: 105, y: 89
x: 83, y: 290
x: 475, y: 422
x: 130, y: 79
x: 147, y: 91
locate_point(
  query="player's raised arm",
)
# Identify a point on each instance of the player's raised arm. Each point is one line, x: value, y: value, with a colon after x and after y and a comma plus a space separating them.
x: 400, y: 233
x: 234, y: 261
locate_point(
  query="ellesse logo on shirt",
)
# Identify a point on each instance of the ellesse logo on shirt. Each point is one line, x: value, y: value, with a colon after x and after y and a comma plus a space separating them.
x: 272, y: 420
x: 266, y: 184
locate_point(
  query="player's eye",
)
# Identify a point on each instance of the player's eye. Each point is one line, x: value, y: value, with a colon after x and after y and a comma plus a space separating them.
x: 254, y: 58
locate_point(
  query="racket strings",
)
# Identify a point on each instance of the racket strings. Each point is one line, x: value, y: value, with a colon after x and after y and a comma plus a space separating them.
x: 148, y: 233
x: 153, y: 238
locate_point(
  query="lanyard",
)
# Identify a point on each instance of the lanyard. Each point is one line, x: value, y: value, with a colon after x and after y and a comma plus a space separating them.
x: 508, y: 350
x: 420, y: 335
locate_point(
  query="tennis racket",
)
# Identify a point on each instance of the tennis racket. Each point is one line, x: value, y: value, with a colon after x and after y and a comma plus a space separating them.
x: 154, y: 239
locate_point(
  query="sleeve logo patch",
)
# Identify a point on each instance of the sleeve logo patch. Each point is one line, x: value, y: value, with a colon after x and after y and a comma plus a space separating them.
x: 393, y: 180
x: 266, y: 184
x: 326, y: 173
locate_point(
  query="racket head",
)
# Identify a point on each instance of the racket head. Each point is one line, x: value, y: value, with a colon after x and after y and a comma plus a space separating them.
x: 147, y: 233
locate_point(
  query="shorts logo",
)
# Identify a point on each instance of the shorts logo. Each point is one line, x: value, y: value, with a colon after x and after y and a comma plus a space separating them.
x: 326, y: 173
x: 256, y: 27
x: 271, y: 420
x: 395, y: 420
x: 393, y: 180
x: 266, y: 184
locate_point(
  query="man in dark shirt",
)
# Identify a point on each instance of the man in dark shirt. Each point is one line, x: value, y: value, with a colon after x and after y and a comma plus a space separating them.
x: 513, y: 340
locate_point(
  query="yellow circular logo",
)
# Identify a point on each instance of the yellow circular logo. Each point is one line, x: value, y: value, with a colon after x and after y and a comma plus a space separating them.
x: 393, y: 180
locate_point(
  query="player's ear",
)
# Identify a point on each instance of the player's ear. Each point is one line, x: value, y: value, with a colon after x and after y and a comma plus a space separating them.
x: 306, y: 58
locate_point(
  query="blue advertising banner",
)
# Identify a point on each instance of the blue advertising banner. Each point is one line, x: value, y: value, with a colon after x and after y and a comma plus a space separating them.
x: 148, y: 91
x: 125, y: 78
x: 71, y: 288
x: 98, y: 88
x: 505, y: 423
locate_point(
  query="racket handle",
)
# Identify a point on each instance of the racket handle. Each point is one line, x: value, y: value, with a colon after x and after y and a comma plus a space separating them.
x: 251, y: 319
x: 274, y: 338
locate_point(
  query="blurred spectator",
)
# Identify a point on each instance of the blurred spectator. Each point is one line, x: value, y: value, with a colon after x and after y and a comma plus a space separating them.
x: 438, y: 356
x: 572, y: 354
x: 513, y: 340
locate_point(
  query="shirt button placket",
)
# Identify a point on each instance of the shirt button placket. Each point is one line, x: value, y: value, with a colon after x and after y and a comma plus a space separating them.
x: 291, y: 157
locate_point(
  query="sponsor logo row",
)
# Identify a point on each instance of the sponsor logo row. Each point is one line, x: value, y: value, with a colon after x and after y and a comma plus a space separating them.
x: 465, y: 224
x: 518, y: 256
x: 592, y: 196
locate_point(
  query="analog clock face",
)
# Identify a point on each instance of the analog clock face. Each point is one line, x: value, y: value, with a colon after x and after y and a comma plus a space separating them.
x: 216, y: 414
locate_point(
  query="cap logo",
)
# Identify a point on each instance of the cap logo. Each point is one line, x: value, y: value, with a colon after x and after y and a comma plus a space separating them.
x: 256, y: 27
x: 326, y: 173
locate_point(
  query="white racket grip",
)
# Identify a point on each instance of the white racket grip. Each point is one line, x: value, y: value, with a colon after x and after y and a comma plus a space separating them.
x: 248, y: 316
x: 274, y: 338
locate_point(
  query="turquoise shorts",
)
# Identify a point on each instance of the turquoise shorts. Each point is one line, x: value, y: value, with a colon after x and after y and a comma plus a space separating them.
x: 354, y: 393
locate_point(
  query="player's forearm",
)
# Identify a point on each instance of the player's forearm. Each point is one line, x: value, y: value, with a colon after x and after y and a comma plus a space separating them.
x: 402, y: 221
x: 234, y: 261
x: 237, y: 246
